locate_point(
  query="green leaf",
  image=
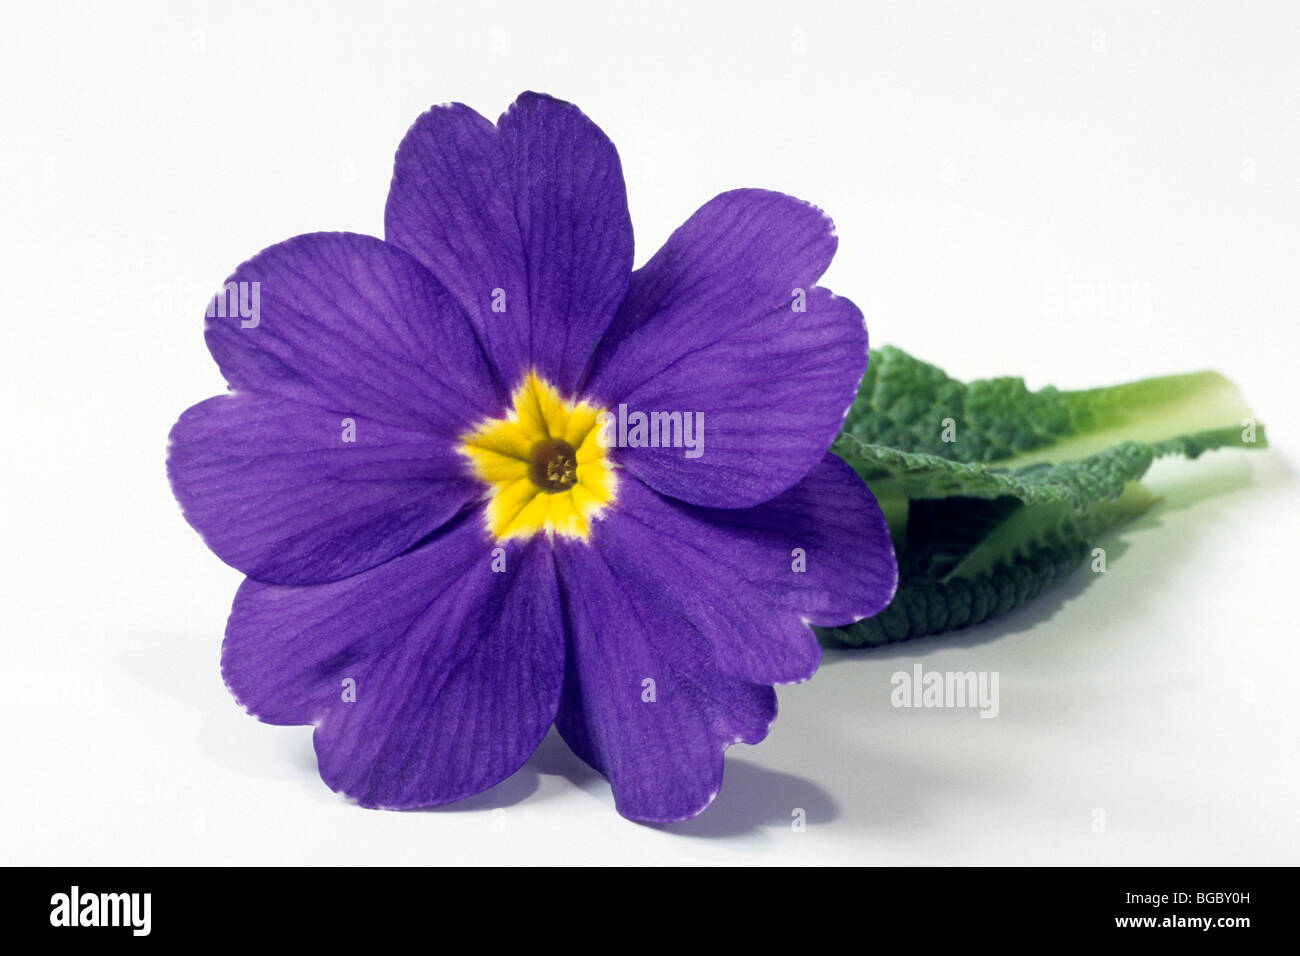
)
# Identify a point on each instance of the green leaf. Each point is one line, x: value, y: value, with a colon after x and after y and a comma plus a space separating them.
x: 1020, y: 551
x: 903, y: 404
x: 1081, y: 483
x: 985, y: 522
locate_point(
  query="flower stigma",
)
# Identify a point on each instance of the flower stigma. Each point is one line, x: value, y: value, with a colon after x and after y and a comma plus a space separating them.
x: 555, y: 465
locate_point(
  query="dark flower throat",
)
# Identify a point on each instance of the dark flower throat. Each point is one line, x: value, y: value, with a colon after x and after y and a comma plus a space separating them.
x: 555, y: 465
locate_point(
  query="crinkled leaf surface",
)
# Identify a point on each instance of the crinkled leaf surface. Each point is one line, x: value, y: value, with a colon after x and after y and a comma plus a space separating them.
x: 995, y: 492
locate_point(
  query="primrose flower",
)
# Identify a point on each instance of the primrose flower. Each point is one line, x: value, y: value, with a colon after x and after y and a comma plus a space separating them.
x: 483, y: 478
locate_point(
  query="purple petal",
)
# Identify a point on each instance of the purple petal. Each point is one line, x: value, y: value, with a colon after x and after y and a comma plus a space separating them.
x: 354, y: 325
x: 277, y: 491
x: 680, y: 616
x: 457, y: 667
x: 450, y: 205
x: 529, y: 217
x: 644, y: 702
x: 750, y: 581
x: 712, y: 326
x: 577, y: 233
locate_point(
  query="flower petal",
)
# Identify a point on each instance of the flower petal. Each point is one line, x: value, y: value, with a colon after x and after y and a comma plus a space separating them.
x: 352, y: 324
x: 711, y: 606
x: 295, y: 494
x: 644, y: 702
x: 750, y: 581
x: 571, y: 205
x: 526, y: 223
x: 456, y: 667
x: 713, y: 325
x: 450, y: 206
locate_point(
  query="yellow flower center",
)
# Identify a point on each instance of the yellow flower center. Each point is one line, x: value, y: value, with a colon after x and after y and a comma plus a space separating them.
x: 543, y: 464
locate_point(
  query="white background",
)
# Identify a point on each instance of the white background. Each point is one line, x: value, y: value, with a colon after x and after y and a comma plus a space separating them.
x: 987, y: 165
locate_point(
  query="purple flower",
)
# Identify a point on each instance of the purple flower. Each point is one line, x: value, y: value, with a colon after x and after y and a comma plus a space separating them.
x: 484, y: 478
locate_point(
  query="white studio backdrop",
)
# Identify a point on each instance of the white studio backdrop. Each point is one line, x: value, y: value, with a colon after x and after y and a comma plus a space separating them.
x: 1080, y: 193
